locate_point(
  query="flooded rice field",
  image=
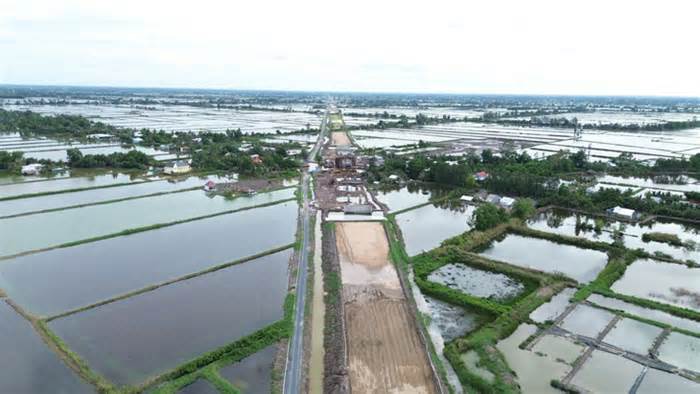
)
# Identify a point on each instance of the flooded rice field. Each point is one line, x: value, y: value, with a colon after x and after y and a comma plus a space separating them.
x: 182, y: 117
x: 27, y: 364
x: 582, y: 265
x: 200, y: 386
x: 633, y: 336
x: 59, y: 184
x: 534, y: 371
x: 476, y: 282
x: 655, y: 382
x: 426, y: 227
x: 403, y: 198
x: 683, y: 184
x: 253, y: 374
x: 669, y: 283
x: 26, y: 233
x: 587, y: 321
x: 651, y: 314
x: 554, y: 307
x: 579, y: 225
x: 148, y: 334
x: 682, y: 351
x: 63, y: 200
x: 607, y: 373
x: 62, y: 279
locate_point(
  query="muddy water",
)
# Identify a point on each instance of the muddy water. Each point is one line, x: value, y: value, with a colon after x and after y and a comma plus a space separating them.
x: 54, y: 201
x: 646, y: 313
x: 27, y: 365
x: 577, y: 263
x: 682, y: 351
x: 317, y: 316
x: 633, y: 336
x: 586, y: 320
x: 436, y: 336
x: 426, y: 227
x: 65, y: 184
x: 253, y: 374
x: 453, y: 321
x: 403, y: 198
x: 656, y: 382
x: 558, y: 348
x: 534, y: 372
x: 62, y: 279
x: 26, y: 233
x: 664, y: 282
x: 477, y: 282
x: 607, y: 373
x: 132, y: 339
x: 554, y: 307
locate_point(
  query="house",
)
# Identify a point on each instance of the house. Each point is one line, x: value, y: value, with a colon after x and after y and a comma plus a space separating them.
x: 209, y: 186
x: 507, y: 202
x: 624, y: 213
x: 99, y: 136
x: 494, y: 199
x: 466, y: 199
x: 256, y: 159
x: 178, y: 167
x: 32, y: 169
x: 393, y: 177
x: 481, y: 176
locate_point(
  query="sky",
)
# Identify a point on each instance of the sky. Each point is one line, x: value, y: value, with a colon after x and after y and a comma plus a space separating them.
x: 611, y: 47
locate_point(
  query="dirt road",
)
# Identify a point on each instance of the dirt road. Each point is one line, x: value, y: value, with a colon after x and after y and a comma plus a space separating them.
x: 384, y: 350
x: 340, y: 138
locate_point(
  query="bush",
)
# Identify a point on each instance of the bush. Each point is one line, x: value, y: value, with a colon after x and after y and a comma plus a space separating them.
x: 488, y: 216
x: 523, y: 208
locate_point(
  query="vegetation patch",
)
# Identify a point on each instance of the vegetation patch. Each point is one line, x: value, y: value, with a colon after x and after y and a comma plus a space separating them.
x: 671, y: 239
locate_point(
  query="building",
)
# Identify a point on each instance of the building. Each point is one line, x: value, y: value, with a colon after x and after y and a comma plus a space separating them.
x: 358, y: 209
x: 623, y: 213
x: 32, y: 169
x: 481, y: 176
x: 209, y: 186
x: 507, y: 202
x: 178, y: 167
x: 256, y: 159
x: 466, y: 199
x: 494, y: 199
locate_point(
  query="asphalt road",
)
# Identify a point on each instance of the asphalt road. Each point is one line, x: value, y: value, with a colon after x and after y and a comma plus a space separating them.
x: 295, y: 354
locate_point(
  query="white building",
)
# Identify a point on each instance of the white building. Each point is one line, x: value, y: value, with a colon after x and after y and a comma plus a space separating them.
x: 507, y: 202
x: 32, y: 169
x: 625, y: 213
x: 178, y: 167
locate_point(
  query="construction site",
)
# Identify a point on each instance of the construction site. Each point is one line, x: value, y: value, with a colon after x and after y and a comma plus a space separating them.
x: 373, y: 342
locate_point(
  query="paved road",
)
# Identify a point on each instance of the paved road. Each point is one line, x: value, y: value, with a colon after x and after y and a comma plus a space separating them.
x: 295, y: 355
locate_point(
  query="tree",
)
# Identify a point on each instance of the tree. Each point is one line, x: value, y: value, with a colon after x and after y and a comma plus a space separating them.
x: 523, y: 208
x: 488, y: 216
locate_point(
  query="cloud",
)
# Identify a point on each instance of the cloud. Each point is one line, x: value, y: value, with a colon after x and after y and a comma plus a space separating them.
x: 504, y: 46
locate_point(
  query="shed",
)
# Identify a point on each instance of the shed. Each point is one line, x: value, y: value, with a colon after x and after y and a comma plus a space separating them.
x: 623, y: 212
x: 507, y: 202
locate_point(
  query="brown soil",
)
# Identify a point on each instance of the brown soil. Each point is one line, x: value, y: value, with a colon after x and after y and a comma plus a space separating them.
x: 385, y: 353
x: 340, y: 138
x: 363, y: 243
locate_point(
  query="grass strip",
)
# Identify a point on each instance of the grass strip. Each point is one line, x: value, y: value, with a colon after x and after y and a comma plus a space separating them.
x: 78, y: 189
x: 142, y: 229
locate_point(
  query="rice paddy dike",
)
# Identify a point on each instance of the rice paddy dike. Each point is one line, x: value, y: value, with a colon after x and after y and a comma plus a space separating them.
x: 130, y: 292
x: 542, y: 327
